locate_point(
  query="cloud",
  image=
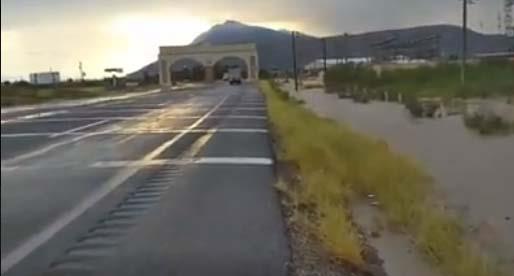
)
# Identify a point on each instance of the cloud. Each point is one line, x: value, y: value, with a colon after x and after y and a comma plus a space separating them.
x: 319, y: 17
x: 37, y: 34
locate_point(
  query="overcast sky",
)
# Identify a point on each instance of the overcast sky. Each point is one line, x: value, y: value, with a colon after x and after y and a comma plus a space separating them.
x: 42, y: 34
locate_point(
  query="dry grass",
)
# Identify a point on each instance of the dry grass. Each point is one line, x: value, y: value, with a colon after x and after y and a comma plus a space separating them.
x: 336, y: 164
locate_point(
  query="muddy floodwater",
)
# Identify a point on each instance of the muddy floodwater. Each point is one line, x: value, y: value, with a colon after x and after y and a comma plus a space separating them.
x: 473, y: 173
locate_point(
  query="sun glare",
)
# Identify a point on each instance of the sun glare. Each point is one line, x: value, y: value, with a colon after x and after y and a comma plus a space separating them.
x: 173, y: 30
x: 144, y: 34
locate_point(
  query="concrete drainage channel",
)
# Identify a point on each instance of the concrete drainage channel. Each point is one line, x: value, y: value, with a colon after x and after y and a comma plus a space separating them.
x: 100, y: 240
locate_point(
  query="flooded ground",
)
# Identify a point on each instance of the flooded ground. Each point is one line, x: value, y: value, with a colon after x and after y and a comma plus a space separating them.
x: 395, y: 249
x: 474, y: 173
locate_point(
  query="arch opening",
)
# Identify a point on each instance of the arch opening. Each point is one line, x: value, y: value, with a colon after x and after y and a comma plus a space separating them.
x: 187, y: 70
x: 222, y: 66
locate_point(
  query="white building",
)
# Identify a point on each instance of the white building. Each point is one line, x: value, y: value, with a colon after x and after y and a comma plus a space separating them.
x: 45, y: 78
x: 318, y: 63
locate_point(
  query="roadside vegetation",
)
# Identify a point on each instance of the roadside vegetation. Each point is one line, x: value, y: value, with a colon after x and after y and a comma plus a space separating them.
x: 335, y: 165
x: 485, y: 79
x: 488, y: 125
x: 23, y: 93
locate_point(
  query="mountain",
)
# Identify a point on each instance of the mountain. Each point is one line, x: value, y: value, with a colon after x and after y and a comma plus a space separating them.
x: 274, y: 47
x: 449, y: 41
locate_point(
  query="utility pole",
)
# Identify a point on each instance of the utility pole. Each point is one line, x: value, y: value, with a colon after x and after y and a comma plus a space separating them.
x: 295, y: 71
x: 464, y: 53
x: 324, y: 45
x: 509, y: 21
x: 82, y: 73
x: 345, y: 48
x: 464, y: 41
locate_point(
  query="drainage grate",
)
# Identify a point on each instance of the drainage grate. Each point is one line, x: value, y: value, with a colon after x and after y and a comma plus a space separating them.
x: 101, y: 239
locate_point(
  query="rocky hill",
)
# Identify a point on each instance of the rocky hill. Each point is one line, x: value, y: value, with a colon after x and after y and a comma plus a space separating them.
x: 274, y: 47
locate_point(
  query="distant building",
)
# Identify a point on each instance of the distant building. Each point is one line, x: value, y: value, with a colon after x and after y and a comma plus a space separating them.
x: 318, y: 63
x: 44, y: 78
x: 496, y: 56
x: 400, y: 59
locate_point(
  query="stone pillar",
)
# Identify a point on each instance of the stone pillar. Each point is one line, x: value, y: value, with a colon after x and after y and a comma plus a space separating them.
x: 252, y: 64
x: 164, y: 73
x: 257, y: 66
x: 209, y: 73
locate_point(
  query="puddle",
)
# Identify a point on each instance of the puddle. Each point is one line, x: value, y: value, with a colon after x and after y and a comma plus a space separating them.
x: 395, y: 249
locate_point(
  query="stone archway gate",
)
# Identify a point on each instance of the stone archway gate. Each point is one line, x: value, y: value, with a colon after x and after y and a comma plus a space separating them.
x: 207, y: 55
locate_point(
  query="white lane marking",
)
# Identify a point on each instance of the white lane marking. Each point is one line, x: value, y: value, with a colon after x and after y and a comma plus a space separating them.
x: 35, y: 134
x: 34, y: 116
x: 189, y: 159
x: 7, y: 168
x: 118, y: 110
x: 167, y: 144
x: 242, y: 130
x: 250, y: 117
x: 124, y: 105
x: 48, y: 148
x: 185, y: 161
x: 59, y: 144
x: 250, y: 108
x: 140, y: 118
x: 234, y: 160
x: 79, y: 128
x: 126, y: 139
x: 143, y: 110
x: 33, y: 242
x: 138, y: 132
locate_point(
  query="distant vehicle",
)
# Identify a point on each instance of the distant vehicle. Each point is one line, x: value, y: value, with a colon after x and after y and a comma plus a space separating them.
x: 225, y: 76
x: 234, y: 76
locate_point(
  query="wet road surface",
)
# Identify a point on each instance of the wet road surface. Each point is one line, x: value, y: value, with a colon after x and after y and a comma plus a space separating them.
x: 176, y: 183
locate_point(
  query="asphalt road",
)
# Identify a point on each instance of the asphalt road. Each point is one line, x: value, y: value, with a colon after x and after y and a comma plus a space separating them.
x: 176, y: 183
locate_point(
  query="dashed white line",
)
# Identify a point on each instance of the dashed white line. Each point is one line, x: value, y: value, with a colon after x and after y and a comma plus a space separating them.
x: 167, y: 144
x: 79, y: 128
